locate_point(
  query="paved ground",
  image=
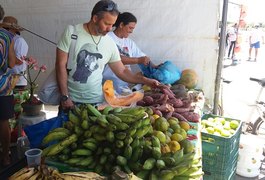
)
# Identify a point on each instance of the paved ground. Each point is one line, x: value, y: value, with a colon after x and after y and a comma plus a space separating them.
x: 241, y: 93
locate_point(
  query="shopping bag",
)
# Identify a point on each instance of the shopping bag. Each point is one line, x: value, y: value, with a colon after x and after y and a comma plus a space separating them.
x: 49, y: 91
x: 37, y: 132
x: 166, y: 73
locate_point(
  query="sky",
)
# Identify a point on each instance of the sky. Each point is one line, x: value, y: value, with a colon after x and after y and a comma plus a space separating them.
x: 255, y: 10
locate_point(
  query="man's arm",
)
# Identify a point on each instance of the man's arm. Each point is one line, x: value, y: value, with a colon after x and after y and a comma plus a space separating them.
x: 126, y: 75
x: 134, y: 60
x: 61, y: 76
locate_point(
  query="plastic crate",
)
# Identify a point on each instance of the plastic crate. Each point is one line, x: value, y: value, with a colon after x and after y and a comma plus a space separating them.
x: 230, y: 175
x: 217, y: 146
x: 215, y: 167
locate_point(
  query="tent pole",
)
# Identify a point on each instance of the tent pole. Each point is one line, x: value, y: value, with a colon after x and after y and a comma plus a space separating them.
x: 220, y: 57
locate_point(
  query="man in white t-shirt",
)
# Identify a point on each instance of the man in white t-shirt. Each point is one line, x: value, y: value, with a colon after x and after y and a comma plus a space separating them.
x: 81, y: 82
x: 254, y: 40
x: 21, y: 50
x: 130, y: 53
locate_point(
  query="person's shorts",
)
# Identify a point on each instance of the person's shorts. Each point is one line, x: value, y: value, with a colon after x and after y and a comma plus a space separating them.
x: 255, y: 45
x: 6, y: 107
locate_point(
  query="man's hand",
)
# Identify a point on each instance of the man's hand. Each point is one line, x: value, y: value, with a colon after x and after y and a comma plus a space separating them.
x: 262, y: 82
x: 144, y: 60
x: 68, y: 104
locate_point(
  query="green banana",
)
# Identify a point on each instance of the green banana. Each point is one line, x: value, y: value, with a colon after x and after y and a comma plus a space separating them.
x: 110, y: 136
x: 142, y: 131
x: 63, y: 157
x: 78, y: 130
x: 85, y: 162
x: 81, y: 152
x: 60, y: 129
x: 120, y: 135
x: 90, y: 145
x: 84, y: 115
x: 121, y: 161
x: 76, y: 110
x: 106, y: 110
x: 54, y: 136
x: 122, y: 126
x: 103, y: 159
x: 137, y: 153
x: 73, y: 161
x: 119, y: 143
x: 149, y: 164
x: 155, y: 142
x: 113, y: 119
x: 63, y: 144
x: 128, y: 140
x: 117, y: 110
x: 160, y: 164
x: 92, y: 110
x: 126, y: 118
x: 92, y: 140
x: 102, y: 121
x: 46, y: 150
x: 99, y: 137
x: 73, y: 118
x: 127, y: 152
x: 85, y: 124
x: 167, y: 174
x: 156, y: 152
x: 135, y: 143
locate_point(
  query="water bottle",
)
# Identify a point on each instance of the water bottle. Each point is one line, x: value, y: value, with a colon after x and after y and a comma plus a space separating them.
x: 22, y: 146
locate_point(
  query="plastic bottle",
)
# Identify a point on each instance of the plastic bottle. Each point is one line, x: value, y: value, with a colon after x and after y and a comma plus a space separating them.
x: 137, y: 87
x: 22, y: 146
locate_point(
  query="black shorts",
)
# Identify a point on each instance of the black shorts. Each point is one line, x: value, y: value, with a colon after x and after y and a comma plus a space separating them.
x: 6, y: 107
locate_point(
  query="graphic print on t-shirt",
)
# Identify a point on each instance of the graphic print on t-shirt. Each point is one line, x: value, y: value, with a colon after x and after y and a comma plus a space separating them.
x: 124, y: 51
x: 86, y: 63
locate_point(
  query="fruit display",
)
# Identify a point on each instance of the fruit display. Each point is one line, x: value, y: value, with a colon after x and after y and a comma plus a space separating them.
x: 219, y: 126
x: 133, y: 140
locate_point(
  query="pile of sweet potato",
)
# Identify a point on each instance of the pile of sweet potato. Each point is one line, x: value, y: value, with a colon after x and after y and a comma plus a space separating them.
x: 172, y: 101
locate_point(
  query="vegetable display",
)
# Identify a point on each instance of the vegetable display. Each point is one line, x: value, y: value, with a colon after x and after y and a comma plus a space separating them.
x: 130, y: 139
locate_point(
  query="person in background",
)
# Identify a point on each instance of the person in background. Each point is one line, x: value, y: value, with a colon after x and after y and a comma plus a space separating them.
x: 81, y: 82
x: 130, y: 53
x: 232, y: 35
x: 254, y: 41
x: 7, y: 62
x: 21, y: 50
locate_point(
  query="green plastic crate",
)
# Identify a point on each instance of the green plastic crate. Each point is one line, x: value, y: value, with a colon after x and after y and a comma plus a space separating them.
x: 216, y: 167
x: 214, y: 146
x: 228, y: 174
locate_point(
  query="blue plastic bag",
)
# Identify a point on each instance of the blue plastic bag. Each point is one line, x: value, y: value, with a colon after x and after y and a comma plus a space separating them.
x: 37, y: 132
x: 166, y: 73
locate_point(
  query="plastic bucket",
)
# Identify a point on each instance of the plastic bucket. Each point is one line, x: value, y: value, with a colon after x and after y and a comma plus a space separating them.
x: 33, y: 157
x: 250, y: 156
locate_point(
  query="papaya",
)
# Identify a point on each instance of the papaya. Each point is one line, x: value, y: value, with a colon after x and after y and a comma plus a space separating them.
x: 188, y: 78
x: 113, y: 100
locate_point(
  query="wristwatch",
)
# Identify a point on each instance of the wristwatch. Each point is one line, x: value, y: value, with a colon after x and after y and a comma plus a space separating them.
x: 64, y: 97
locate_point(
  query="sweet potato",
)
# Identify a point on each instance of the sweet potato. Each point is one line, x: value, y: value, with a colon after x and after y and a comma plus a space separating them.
x: 182, y: 109
x: 165, y: 108
x: 191, y: 116
x: 156, y: 111
x: 179, y: 117
x: 176, y: 102
x: 148, y: 100
x: 140, y: 103
x: 168, y: 115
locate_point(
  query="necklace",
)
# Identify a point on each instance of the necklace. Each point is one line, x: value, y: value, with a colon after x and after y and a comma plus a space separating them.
x: 96, y: 43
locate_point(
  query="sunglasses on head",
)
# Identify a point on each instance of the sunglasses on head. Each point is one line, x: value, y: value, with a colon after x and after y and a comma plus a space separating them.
x: 111, y: 6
